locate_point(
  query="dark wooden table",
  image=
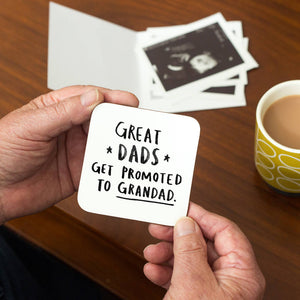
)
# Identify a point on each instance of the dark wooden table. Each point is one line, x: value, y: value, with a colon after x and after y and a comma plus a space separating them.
x: 109, y: 250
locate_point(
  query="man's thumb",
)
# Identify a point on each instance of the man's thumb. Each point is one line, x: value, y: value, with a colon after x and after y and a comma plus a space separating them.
x: 190, y: 253
x: 52, y: 120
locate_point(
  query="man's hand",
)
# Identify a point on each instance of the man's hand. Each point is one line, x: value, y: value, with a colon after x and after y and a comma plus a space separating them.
x: 42, y: 146
x: 205, y: 256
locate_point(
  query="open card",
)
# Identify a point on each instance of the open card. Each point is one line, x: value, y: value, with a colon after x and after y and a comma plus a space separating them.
x: 83, y: 49
x: 138, y: 164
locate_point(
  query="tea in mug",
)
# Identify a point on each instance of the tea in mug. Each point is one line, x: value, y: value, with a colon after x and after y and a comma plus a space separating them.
x: 282, y: 121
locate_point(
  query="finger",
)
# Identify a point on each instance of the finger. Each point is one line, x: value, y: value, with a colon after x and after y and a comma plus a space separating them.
x: 117, y: 97
x: 160, y: 253
x: 225, y: 235
x: 56, y: 113
x: 161, y: 232
x: 56, y: 96
x: 86, y: 126
x: 74, y: 90
x: 57, y: 118
x: 236, y: 263
x: 212, y: 255
x: 75, y: 143
x: 159, y: 275
x: 190, y: 254
x: 121, y: 97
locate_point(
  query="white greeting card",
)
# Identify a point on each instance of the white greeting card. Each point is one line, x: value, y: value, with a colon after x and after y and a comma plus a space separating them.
x: 138, y: 164
x: 83, y: 49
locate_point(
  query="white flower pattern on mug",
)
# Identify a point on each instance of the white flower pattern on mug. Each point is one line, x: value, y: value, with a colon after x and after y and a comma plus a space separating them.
x: 288, y: 172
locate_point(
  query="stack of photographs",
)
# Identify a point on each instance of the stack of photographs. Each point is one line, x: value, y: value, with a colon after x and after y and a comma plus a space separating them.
x: 201, y: 65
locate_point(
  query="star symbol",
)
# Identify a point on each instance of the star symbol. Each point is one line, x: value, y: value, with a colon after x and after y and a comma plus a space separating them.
x: 109, y: 149
x: 167, y: 157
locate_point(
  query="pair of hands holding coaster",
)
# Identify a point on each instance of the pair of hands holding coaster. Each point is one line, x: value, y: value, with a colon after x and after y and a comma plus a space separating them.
x: 42, y: 146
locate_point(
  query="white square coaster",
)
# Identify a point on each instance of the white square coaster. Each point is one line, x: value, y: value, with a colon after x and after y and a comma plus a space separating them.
x: 138, y: 164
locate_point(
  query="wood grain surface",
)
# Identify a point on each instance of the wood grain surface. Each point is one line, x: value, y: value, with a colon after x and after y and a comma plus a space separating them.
x: 225, y: 179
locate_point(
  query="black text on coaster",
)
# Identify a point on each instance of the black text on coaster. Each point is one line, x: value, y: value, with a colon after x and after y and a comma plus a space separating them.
x: 138, y: 164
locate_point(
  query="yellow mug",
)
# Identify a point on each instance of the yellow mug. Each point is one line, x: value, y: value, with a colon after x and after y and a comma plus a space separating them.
x: 277, y: 164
